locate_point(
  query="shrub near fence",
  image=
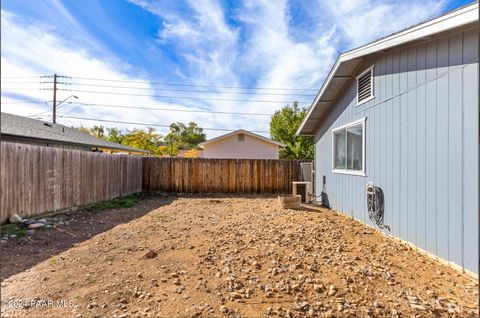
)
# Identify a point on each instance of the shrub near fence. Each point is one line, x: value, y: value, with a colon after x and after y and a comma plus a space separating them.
x: 38, y: 179
x: 188, y: 175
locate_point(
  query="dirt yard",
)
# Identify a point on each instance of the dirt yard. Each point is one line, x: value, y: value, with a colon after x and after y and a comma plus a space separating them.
x: 223, y: 256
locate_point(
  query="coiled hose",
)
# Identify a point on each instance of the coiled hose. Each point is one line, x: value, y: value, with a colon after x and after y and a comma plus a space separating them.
x: 375, y: 205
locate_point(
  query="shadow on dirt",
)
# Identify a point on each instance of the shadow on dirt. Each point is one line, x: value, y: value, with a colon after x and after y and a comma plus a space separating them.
x: 20, y: 254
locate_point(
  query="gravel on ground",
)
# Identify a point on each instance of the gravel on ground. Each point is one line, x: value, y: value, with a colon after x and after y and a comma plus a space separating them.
x: 224, y: 256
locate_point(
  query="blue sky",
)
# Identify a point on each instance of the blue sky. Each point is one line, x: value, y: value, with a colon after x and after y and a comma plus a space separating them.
x: 255, y: 44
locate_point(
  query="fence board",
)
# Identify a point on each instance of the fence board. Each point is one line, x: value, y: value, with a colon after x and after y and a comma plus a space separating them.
x: 37, y: 179
x: 194, y: 175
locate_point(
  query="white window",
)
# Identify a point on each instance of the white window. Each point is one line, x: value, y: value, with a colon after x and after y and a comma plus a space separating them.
x: 241, y: 137
x: 348, y: 148
x: 365, y: 86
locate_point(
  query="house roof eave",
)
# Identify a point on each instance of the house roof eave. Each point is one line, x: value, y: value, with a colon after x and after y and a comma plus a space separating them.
x: 457, y: 18
x: 243, y: 132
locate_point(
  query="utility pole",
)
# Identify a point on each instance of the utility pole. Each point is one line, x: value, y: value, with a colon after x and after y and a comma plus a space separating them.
x: 54, y: 98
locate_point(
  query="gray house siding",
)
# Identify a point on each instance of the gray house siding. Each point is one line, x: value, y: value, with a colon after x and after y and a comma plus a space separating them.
x: 421, y: 146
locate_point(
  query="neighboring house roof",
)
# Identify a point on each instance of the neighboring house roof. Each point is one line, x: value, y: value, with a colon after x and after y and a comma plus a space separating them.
x: 241, y: 131
x: 24, y: 127
x: 347, y: 63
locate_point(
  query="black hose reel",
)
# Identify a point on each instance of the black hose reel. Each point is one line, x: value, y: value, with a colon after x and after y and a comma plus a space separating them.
x: 375, y: 203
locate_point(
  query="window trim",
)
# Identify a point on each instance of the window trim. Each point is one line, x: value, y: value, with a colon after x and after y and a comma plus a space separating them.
x: 348, y: 171
x: 371, y: 68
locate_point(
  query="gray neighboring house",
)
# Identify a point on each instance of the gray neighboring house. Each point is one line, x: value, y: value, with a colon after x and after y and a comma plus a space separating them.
x: 403, y: 112
x: 36, y: 132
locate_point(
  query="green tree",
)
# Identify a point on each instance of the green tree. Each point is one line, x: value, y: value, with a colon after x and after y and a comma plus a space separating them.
x: 98, y: 131
x: 84, y: 130
x: 187, y: 137
x: 143, y: 139
x: 171, y: 150
x: 192, y: 153
x: 283, y: 125
x: 115, y: 135
x: 138, y: 138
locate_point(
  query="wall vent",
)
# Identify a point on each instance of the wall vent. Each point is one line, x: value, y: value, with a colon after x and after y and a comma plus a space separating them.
x: 241, y: 137
x: 365, y: 86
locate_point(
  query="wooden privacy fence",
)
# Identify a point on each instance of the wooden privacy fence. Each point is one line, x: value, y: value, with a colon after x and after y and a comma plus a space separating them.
x: 219, y: 175
x: 36, y: 179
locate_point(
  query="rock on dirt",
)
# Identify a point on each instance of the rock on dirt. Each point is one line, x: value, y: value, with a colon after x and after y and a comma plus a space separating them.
x: 35, y: 225
x: 15, y: 218
x: 224, y: 309
x: 150, y: 254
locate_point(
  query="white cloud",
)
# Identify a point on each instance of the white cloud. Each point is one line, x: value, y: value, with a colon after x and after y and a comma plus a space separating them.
x: 363, y: 21
x: 266, y: 56
x: 259, y: 50
x: 29, y: 50
x: 284, y: 61
x: 205, y: 40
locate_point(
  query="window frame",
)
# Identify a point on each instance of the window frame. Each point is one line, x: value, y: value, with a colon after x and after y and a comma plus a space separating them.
x: 240, y: 135
x: 344, y: 127
x: 371, y: 68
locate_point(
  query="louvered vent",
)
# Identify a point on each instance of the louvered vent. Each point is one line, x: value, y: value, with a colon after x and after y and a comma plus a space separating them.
x: 364, y: 86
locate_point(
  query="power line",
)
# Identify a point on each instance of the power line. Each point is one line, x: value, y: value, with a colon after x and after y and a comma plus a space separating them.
x: 190, y: 90
x: 48, y: 110
x: 22, y: 88
x: 58, y: 106
x: 166, y: 83
x: 40, y: 113
x: 147, y: 124
x: 30, y: 102
x: 72, y: 110
x: 190, y: 85
x: 37, y: 76
x: 184, y: 97
x: 21, y: 82
x: 170, y: 109
x: 48, y: 116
